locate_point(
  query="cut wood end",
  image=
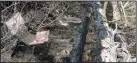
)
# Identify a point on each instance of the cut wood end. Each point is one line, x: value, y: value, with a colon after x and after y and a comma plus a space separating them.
x: 72, y: 19
x: 42, y: 36
x: 15, y: 23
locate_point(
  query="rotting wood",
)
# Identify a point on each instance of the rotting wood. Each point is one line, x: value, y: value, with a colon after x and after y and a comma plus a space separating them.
x: 82, y: 30
x: 107, y: 50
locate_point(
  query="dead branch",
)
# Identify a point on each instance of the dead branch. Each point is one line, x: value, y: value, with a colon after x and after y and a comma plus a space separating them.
x: 78, y: 48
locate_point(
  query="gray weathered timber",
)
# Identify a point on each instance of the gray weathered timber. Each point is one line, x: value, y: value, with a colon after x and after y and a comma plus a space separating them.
x: 97, y: 20
x: 82, y: 30
x: 107, y: 50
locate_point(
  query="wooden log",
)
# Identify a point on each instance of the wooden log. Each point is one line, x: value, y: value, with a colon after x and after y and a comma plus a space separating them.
x: 82, y: 30
x: 107, y: 49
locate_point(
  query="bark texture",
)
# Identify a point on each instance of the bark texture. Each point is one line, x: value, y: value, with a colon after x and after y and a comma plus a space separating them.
x: 108, y: 50
x: 82, y: 30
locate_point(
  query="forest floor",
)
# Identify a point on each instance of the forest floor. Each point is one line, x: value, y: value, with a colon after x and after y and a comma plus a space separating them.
x: 61, y: 37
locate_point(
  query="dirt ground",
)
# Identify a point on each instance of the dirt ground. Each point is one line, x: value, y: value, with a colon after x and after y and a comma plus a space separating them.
x: 61, y: 37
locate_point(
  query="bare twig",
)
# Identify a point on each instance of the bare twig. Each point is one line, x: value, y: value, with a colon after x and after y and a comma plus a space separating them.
x: 9, y: 6
x: 23, y: 7
x: 126, y: 4
x: 59, y: 15
x: 5, y: 35
x: 45, y: 18
x: 124, y: 14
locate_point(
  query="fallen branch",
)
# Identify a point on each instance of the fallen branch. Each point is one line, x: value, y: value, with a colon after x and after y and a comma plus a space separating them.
x: 123, y: 9
x: 78, y: 48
